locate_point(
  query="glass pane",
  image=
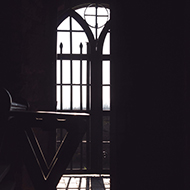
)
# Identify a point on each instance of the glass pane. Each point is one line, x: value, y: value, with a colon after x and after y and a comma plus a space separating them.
x: 84, y: 72
x: 106, y: 128
x: 76, y: 72
x: 108, y: 10
x: 106, y: 98
x: 84, y: 97
x: 58, y: 72
x: 76, y: 160
x: 89, y: 97
x: 90, y: 11
x: 93, y: 31
x: 63, y: 37
x: 91, y: 20
x: 76, y: 97
x: 106, y: 154
x: 106, y: 72
x: 78, y: 38
x: 58, y: 97
x: 66, y: 97
x: 102, y: 16
x: 64, y: 25
x: 66, y: 73
x: 102, y: 11
x: 84, y: 157
x: 106, y: 46
x: 76, y: 25
x: 81, y: 12
x: 99, y: 31
x: 89, y: 70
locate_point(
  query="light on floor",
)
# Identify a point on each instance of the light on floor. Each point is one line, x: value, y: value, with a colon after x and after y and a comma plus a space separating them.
x: 84, y: 182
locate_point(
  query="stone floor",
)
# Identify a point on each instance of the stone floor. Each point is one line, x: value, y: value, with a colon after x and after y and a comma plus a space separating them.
x: 84, y: 182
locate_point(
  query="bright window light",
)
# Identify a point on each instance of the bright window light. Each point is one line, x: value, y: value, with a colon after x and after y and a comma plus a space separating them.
x: 72, y: 79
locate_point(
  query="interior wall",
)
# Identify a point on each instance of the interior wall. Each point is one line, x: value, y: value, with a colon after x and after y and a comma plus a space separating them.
x: 10, y: 45
x: 28, y: 33
x: 147, y: 48
x: 148, y: 82
x: 187, y: 94
x: 63, y: 5
x: 38, y: 53
x: 27, y: 51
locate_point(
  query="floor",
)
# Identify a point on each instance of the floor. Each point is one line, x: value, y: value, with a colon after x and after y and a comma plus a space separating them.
x: 84, y: 182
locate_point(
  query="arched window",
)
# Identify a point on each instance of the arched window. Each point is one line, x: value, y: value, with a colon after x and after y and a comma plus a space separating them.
x: 83, y: 71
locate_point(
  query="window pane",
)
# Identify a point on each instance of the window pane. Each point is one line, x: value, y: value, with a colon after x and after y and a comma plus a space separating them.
x: 76, y: 25
x: 66, y: 97
x: 106, y: 156
x: 106, y: 72
x: 66, y: 73
x: 64, y: 25
x: 108, y: 10
x: 58, y: 97
x: 84, y: 72
x: 102, y: 16
x: 106, y: 128
x: 102, y: 11
x: 78, y: 38
x: 91, y: 20
x: 76, y: 97
x: 84, y: 98
x: 76, y: 72
x: 94, y: 32
x: 81, y: 12
x: 106, y: 46
x: 90, y: 11
x: 106, y: 98
x: 63, y: 37
x: 58, y: 71
x: 99, y: 31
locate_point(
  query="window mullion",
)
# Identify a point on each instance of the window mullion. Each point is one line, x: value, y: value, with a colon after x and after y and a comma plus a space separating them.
x: 88, y: 77
x: 81, y: 74
x: 71, y: 65
x: 96, y: 22
x: 61, y: 84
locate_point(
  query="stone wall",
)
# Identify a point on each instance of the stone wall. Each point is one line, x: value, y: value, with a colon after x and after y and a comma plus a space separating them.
x: 28, y: 51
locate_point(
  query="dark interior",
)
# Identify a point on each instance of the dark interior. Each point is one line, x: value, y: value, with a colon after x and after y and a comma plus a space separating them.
x: 150, y: 56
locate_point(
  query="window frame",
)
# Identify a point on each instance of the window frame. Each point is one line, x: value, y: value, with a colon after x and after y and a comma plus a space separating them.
x: 95, y: 134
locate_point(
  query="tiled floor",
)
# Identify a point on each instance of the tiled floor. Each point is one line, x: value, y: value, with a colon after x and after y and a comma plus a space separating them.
x: 84, y: 182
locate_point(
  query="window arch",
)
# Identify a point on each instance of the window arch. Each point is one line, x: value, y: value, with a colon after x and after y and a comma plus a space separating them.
x: 79, y: 40
x: 83, y: 78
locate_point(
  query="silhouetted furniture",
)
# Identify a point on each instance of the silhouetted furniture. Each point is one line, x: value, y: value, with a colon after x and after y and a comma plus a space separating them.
x: 8, y: 167
x: 20, y: 123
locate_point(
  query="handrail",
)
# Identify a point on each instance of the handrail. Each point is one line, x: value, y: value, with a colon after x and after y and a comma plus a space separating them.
x: 20, y: 123
x: 43, y: 175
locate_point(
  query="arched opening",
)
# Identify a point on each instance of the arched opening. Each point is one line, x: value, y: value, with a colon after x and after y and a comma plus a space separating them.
x: 83, y: 82
x: 78, y: 40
